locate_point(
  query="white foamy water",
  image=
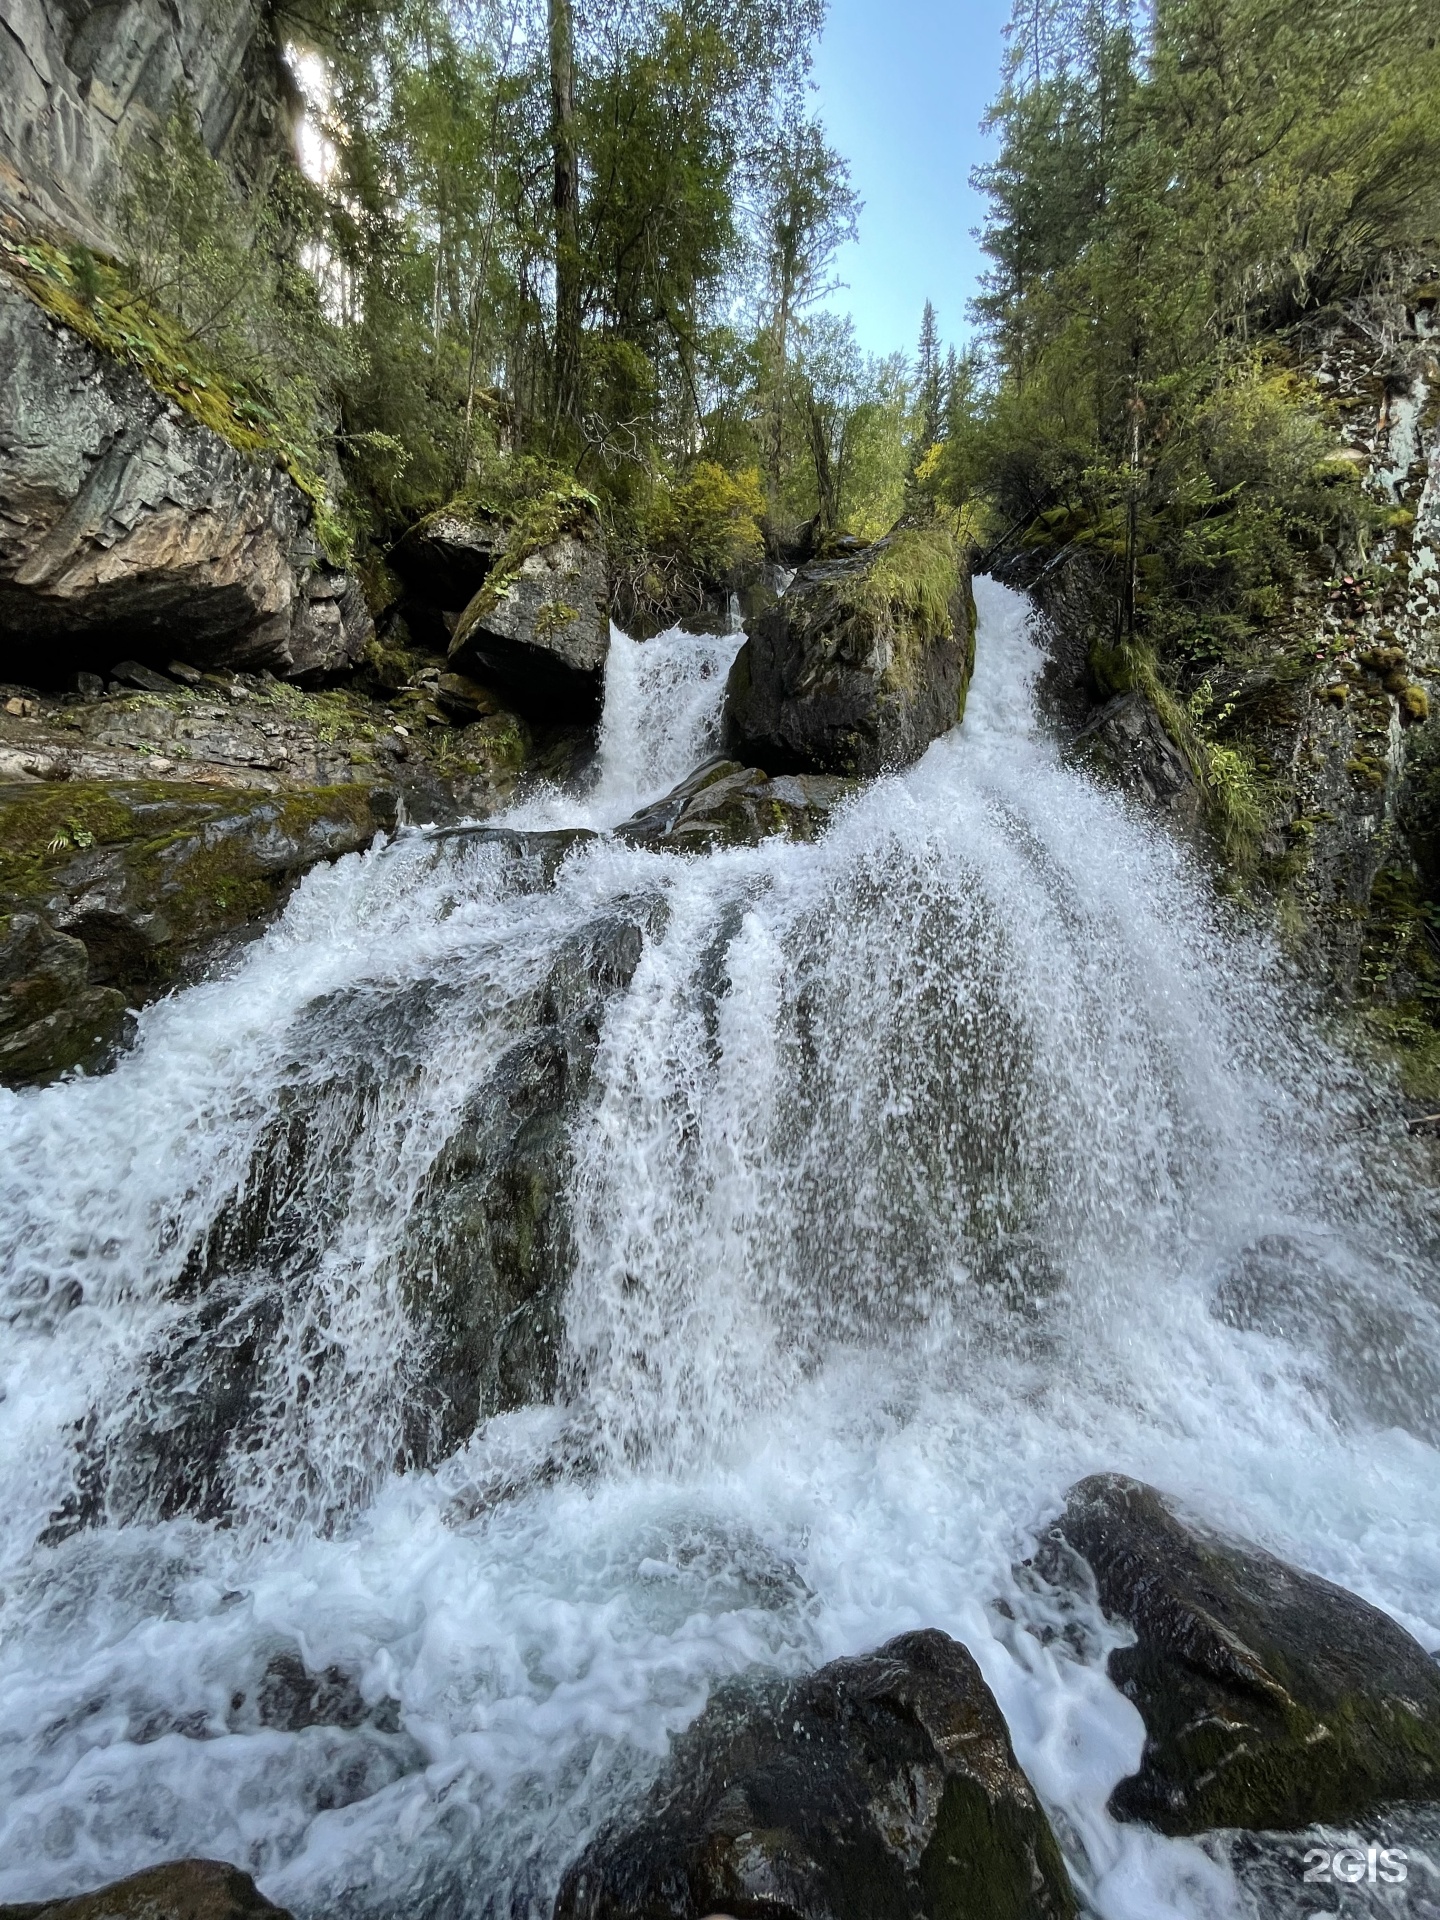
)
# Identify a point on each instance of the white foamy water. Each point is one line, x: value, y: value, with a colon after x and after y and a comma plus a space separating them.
x: 929, y: 1168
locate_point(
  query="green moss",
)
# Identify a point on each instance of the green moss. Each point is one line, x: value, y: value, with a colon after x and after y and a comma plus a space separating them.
x: 1366, y: 772
x: 552, y: 617
x: 916, y: 575
x: 202, y: 859
x: 533, y: 522
x: 91, y: 296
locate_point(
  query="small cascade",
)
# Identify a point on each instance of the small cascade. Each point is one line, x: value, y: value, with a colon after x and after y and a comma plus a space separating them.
x: 886, y: 1184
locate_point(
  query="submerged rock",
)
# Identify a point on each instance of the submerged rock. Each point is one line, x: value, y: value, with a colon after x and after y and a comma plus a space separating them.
x: 540, y: 626
x: 863, y: 662
x: 723, y: 804
x: 1271, y: 1698
x: 490, y: 1240
x: 883, y: 1788
x: 127, y: 526
x: 180, y: 1890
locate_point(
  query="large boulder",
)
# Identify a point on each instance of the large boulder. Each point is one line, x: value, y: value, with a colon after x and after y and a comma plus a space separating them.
x: 863, y: 662
x: 540, y: 626
x: 723, y: 804
x: 481, y: 1263
x: 129, y: 527
x: 111, y: 890
x: 883, y: 1788
x: 443, y: 562
x: 1271, y: 1698
x: 180, y: 1890
x: 490, y: 1242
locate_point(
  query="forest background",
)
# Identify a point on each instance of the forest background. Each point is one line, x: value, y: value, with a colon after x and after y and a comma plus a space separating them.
x: 563, y: 245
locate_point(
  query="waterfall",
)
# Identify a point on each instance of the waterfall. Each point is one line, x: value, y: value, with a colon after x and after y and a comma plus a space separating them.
x: 920, y: 1171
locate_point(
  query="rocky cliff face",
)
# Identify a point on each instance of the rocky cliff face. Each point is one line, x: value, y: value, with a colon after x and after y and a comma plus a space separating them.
x: 129, y: 528
x: 1335, y: 705
x: 79, y: 80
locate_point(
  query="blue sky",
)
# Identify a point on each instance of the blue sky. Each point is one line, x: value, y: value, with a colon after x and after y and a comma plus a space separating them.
x: 902, y: 88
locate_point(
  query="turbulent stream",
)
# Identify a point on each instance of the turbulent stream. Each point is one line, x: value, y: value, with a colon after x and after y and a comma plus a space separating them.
x: 924, y: 1169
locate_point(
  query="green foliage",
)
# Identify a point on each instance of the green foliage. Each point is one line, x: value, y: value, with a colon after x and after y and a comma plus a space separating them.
x: 227, y: 271
x: 710, y: 520
x: 442, y: 235
x: 1164, y: 204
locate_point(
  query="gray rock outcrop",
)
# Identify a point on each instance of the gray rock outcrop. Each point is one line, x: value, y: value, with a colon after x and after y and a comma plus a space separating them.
x: 51, y: 1018
x: 129, y: 527
x: 883, y: 1788
x: 80, y: 81
x: 1271, y: 1699
x: 540, y: 626
x: 111, y: 891
x: 863, y: 662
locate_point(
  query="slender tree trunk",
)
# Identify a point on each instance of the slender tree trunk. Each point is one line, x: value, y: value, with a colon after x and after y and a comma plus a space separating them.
x: 825, y: 488
x: 567, y: 221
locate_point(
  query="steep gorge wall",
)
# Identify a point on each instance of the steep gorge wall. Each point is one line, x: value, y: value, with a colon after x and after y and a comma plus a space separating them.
x: 79, y: 79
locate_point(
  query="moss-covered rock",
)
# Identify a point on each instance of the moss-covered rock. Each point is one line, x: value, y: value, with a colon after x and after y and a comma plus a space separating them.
x: 723, y: 804
x: 883, y: 1788
x: 865, y: 660
x: 140, y: 878
x: 1271, y: 1698
x: 179, y: 1890
x: 51, y: 1018
x: 540, y: 626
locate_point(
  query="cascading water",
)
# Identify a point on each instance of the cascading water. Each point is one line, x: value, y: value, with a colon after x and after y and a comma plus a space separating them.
x: 923, y: 1170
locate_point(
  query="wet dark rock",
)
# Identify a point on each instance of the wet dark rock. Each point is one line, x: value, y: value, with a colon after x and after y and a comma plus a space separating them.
x: 723, y: 804
x: 491, y: 1238
x: 883, y: 1788
x: 131, y: 673
x: 180, y: 1890
x: 126, y: 524
x: 540, y: 626
x: 846, y: 675
x: 542, y: 851
x: 51, y: 1018
x: 1127, y: 741
x: 291, y: 1697
x: 1271, y: 1698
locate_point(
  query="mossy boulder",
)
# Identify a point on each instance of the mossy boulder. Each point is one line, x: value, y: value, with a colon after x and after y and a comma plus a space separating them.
x: 1271, y: 1698
x: 179, y: 1890
x: 880, y: 1788
x: 861, y: 664
x: 539, y: 628
x: 141, y: 878
x: 723, y: 804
